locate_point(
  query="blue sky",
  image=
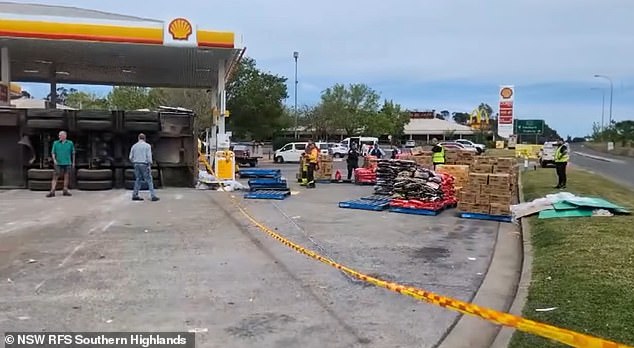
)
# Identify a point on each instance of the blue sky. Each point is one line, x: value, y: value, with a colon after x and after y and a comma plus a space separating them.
x: 433, y: 54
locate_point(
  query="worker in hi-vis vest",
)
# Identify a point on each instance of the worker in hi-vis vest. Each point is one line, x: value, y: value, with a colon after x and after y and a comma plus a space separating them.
x: 438, y: 153
x: 561, y: 162
x: 313, y: 165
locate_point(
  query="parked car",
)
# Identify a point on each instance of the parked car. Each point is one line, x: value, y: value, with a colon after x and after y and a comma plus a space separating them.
x: 410, y: 144
x: 547, y: 154
x: 324, y: 147
x: 468, y: 143
x: 291, y: 152
x: 454, y: 145
x: 338, y: 150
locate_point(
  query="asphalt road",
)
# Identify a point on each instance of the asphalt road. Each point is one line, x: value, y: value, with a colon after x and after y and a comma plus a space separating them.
x: 99, y: 262
x: 619, y: 169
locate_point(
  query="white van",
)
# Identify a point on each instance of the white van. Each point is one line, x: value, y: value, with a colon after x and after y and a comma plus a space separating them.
x: 364, y: 144
x: 291, y: 152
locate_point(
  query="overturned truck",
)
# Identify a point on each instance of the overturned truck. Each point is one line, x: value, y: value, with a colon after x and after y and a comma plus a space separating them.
x: 102, y: 143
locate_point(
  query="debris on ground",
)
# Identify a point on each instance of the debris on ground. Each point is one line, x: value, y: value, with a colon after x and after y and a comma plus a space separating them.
x: 565, y: 204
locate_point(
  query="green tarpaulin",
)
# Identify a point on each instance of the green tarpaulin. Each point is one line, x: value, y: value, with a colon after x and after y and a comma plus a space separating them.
x: 565, y: 213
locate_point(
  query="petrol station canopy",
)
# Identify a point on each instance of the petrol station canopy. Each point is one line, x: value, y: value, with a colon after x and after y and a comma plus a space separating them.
x: 53, y: 44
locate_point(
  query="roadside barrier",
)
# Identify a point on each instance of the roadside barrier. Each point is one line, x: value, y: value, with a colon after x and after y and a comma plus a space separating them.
x: 565, y: 336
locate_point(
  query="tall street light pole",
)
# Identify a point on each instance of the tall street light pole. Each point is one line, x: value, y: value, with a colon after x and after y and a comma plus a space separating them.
x: 296, y: 55
x: 611, y: 94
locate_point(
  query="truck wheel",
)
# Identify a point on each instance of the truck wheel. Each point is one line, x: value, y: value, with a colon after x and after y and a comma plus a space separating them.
x: 44, y: 185
x: 129, y: 174
x: 542, y: 164
x: 94, y: 124
x: 253, y: 163
x: 52, y: 123
x: 94, y: 174
x: 41, y: 174
x: 94, y: 115
x: 279, y: 159
x: 34, y: 113
x: 100, y: 185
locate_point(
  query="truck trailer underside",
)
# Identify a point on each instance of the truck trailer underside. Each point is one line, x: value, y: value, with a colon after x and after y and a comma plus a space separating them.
x: 102, y: 143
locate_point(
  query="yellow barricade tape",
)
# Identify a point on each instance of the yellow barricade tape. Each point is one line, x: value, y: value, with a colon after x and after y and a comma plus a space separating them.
x: 569, y: 337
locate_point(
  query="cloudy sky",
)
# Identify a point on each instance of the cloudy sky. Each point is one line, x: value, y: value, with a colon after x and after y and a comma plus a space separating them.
x: 433, y: 54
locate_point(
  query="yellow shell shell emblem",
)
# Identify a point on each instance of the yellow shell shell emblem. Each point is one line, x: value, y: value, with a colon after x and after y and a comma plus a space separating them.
x: 180, y: 29
x: 506, y: 93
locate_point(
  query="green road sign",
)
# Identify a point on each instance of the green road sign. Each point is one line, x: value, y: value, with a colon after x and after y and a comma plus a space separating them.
x: 529, y: 127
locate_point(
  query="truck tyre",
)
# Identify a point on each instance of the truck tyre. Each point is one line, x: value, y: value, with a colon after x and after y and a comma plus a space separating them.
x: 44, y: 185
x: 41, y: 174
x: 94, y: 124
x: 253, y: 163
x: 94, y: 174
x: 279, y: 159
x: 94, y: 115
x: 49, y: 114
x: 52, y: 123
x: 129, y: 185
x: 142, y: 126
x: 129, y: 174
x: 100, y: 185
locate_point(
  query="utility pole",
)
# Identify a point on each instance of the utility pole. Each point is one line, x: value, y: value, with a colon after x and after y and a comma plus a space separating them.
x: 296, y: 55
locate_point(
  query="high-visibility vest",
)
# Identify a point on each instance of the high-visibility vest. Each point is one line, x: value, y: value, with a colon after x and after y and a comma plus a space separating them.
x: 560, y: 157
x: 439, y: 157
x: 313, y: 156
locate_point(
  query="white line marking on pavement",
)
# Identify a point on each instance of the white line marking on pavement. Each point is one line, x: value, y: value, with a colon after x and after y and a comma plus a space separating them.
x: 598, y: 158
x: 108, y: 226
x: 79, y: 246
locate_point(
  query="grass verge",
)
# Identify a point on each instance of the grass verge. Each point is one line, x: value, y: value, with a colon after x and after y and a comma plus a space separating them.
x: 619, y: 149
x: 582, y: 266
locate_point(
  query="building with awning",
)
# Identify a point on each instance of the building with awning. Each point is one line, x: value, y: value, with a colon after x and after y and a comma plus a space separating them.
x: 425, y: 128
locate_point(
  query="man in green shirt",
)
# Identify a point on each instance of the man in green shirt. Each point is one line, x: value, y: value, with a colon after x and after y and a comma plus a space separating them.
x: 63, y: 153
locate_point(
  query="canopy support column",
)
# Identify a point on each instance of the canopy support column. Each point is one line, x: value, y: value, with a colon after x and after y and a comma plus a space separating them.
x: 5, y: 67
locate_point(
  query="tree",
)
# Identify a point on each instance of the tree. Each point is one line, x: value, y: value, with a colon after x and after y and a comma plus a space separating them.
x: 461, y: 117
x: 86, y: 101
x: 351, y: 107
x: 443, y: 115
x: 390, y: 120
x: 255, y: 101
x: 133, y: 98
x: 61, y: 94
x: 197, y: 100
x: 487, y: 108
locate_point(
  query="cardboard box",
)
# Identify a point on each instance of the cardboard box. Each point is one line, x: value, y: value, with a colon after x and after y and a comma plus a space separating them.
x: 465, y: 207
x: 474, y: 189
x: 499, y: 209
x: 500, y: 198
x: 506, y: 162
x: 478, y: 179
x: 481, y: 208
x: 499, y: 179
x: 460, y: 173
x: 422, y: 160
x: 468, y: 197
x: 482, y: 199
x: 482, y: 168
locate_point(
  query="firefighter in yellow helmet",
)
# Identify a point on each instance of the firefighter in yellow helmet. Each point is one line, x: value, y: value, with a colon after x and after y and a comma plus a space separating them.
x: 312, y: 159
x: 438, y: 153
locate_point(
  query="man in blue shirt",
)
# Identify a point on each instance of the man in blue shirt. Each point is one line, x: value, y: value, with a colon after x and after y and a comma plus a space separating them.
x: 141, y: 158
x: 63, y: 153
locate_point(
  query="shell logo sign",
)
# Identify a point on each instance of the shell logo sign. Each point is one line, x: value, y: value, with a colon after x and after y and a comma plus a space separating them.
x: 180, y: 32
x: 506, y: 92
x: 180, y: 29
